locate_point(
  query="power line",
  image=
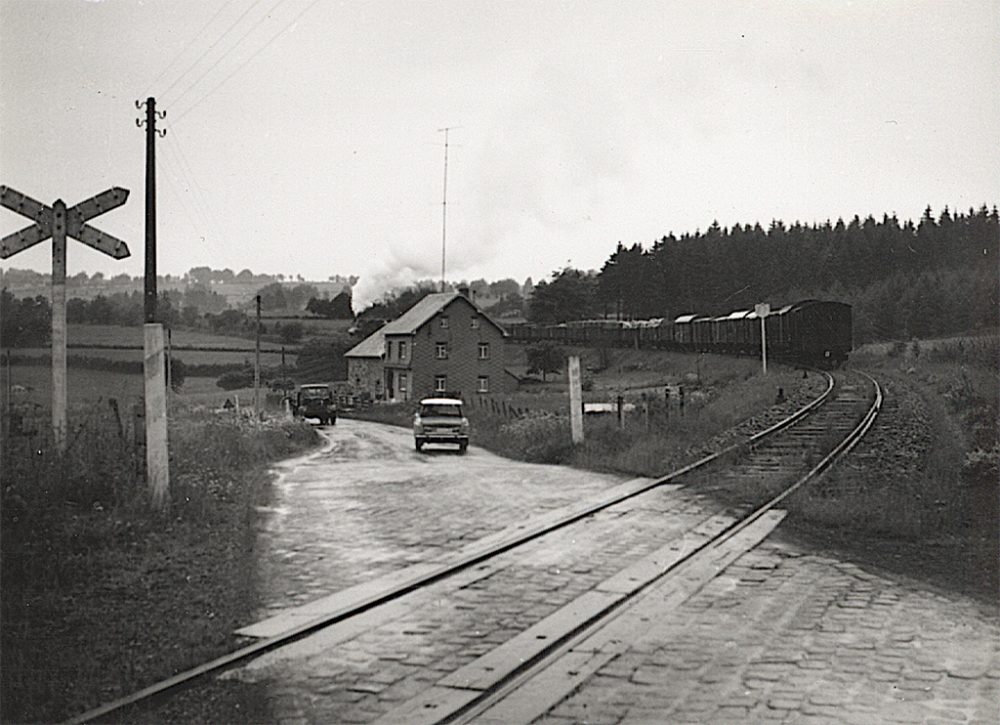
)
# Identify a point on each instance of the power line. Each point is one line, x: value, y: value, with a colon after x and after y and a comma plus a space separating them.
x: 185, y: 48
x: 208, y: 50
x: 246, y: 62
x: 233, y: 47
x: 180, y: 198
x: 201, y: 197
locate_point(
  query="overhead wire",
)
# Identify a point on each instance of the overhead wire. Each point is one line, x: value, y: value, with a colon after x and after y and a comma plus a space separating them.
x: 233, y: 47
x: 208, y: 51
x: 185, y: 48
x: 242, y: 65
x: 200, y: 197
x: 184, y: 205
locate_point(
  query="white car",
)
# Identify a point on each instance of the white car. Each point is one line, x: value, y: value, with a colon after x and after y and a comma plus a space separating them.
x: 440, y: 420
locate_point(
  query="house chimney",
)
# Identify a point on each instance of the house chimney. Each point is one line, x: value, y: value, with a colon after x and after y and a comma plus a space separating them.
x: 464, y: 291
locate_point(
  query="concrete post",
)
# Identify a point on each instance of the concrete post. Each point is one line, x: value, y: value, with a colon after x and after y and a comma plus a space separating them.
x: 59, y: 325
x: 157, y: 459
x: 575, y: 399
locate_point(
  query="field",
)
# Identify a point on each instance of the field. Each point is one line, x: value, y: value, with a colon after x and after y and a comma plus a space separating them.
x: 311, y: 325
x: 101, y: 335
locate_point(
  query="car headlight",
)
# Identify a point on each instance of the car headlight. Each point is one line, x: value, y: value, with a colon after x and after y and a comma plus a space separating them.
x: 418, y: 427
x: 465, y: 425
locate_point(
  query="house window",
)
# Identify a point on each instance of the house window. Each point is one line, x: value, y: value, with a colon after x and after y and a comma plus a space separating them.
x: 444, y: 322
x: 484, y: 384
x: 388, y: 349
x: 440, y: 383
x: 402, y: 382
x: 402, y: 350
x: 474, y: 323
x: 484, y: 351
x: 441, y: 351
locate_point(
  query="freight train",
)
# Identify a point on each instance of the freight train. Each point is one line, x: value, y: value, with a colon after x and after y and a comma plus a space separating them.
x: 810, y: 332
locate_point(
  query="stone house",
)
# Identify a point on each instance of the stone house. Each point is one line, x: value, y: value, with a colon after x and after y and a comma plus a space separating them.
x: 444, y: 344
x: 364, y: 366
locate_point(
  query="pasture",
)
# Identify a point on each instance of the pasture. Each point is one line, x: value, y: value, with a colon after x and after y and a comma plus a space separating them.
x: 105, y: 335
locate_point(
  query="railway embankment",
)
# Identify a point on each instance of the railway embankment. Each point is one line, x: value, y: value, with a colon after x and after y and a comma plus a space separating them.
x: 920, y: 496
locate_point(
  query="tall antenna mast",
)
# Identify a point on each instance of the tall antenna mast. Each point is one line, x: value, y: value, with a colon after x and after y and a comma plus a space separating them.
x: 444, y: 202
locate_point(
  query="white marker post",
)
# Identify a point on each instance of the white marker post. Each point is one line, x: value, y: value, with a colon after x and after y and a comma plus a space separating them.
x: 575, y: 400
x: 762, y: 310
x: 157, y: 458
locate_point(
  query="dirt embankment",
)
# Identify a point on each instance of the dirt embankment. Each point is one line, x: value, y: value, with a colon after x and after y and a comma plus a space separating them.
x: 913, y: 498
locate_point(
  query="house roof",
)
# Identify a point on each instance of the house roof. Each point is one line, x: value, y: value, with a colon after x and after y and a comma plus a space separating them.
x: 411, y: 320
x: 371, y: 346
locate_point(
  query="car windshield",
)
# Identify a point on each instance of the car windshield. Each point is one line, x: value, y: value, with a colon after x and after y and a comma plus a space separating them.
x: 445, y: 410
x: 315, y: 393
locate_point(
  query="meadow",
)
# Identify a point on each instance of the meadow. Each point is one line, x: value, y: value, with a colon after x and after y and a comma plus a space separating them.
x: 107, y: 335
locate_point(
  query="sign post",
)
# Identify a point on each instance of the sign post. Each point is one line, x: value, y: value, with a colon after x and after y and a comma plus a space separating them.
x: 763, y: 309
x: 58, y: 222
x: 575, y: 400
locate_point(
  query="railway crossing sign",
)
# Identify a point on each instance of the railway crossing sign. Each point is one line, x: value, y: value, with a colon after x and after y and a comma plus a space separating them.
x: 58, y: 222
x: 55, y: 219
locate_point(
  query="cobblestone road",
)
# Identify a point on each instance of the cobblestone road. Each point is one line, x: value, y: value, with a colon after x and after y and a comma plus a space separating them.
x: 781, y: 634
x: 369, y: 504
x: 784, y: 635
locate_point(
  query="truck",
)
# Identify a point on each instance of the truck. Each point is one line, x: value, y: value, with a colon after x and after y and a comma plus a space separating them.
x: 315, y: 401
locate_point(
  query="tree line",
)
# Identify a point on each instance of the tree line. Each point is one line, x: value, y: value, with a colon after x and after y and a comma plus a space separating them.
x: 904, y: 279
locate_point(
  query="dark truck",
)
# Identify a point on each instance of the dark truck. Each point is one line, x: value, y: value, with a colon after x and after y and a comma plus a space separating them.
x: 315, y: 401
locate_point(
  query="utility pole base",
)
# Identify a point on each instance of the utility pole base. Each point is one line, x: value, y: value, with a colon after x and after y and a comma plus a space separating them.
x: 157, y: 458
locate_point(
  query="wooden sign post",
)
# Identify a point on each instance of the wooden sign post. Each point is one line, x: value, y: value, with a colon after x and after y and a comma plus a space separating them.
x: 58, y: 221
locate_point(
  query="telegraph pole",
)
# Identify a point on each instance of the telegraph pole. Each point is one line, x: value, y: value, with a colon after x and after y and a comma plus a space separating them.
x: 154, y: 364
x: 256, y: 367
x: 151, y: 133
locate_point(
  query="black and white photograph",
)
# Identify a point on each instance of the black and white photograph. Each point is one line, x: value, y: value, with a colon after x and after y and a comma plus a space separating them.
x: 499, y: 361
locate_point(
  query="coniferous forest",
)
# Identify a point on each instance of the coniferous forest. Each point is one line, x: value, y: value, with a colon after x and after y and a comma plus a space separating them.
x: 937, y: 276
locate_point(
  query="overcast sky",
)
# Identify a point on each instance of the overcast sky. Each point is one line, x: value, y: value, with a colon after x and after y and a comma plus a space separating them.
x: 302, y: 135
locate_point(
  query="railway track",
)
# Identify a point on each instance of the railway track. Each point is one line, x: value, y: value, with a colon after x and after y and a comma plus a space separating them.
x: 817, y: 434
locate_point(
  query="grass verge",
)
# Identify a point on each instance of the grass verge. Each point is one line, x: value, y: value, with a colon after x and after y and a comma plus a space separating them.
x: 921, y: 495
x: 728, y: 402
x: 101, y: 594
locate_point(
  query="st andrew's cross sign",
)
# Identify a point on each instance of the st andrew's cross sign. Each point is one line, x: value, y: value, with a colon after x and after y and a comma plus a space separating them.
x: 53, y: 220
x: 58, y: 222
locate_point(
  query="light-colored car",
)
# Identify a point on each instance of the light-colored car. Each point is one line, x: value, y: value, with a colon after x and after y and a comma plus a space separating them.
x: 440, y: 420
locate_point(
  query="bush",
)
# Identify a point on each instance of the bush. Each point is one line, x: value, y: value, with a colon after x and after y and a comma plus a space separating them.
x: 101, y: 593
x: 236, y: 379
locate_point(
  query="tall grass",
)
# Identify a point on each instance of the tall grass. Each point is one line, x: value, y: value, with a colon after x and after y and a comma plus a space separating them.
x: 649, y: 444
x: 102, y: 593
x: 929, y: 473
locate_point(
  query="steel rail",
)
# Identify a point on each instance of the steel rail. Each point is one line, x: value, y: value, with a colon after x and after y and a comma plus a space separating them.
x: 218, y: 665
x: 532, y: 667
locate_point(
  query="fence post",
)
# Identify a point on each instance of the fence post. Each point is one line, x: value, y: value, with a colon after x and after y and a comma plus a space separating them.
x: 113, y: 403
x: 139, y: 437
